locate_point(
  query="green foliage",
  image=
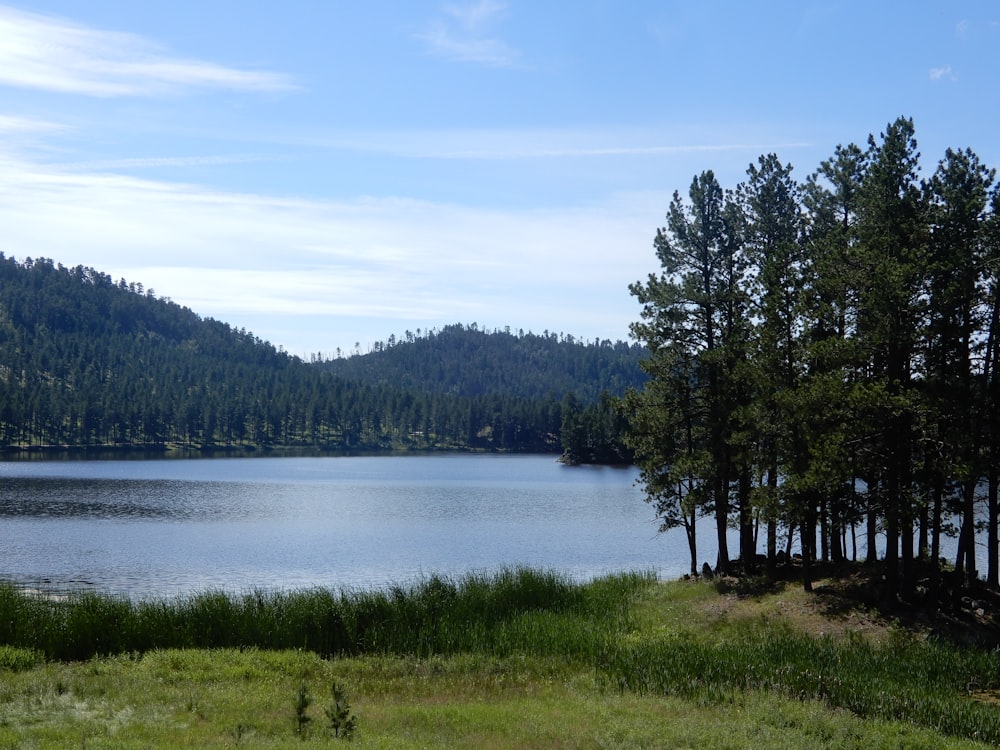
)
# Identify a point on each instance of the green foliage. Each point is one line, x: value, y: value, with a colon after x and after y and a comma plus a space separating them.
x: 302, y: 702
x: 663, y: 676
x: 904, y: 680
x: 88, y: 362
x: 470, y: 361
x: 695, y: 323
x: 594, y: 434
x: 342, y: 721
x: 513, y: 611
x: 823, y: 351
x: 19, y: 659
x: 515, y: 390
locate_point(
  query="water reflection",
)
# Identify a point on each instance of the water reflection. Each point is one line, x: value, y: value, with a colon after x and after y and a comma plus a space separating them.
x: 123, y: 499
x: 149, y: 528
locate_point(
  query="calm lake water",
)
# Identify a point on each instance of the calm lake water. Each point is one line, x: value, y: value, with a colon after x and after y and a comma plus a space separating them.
x: 150, y: 528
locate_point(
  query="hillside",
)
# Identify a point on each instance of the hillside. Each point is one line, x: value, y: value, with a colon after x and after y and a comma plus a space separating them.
x: 470, y: 361
x: 89, y: 362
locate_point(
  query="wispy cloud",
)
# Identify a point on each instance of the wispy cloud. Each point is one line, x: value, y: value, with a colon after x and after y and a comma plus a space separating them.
x: 157, y: 162
x: 464, y: 36
x: 55, y: 54
x: 490, y: 145
x: 477, y: 15
x: 942, y: 74
x: 10, y: 125
x: 309, y: 273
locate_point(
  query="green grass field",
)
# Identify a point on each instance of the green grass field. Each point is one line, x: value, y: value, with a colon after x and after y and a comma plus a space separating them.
x: 517, y: 660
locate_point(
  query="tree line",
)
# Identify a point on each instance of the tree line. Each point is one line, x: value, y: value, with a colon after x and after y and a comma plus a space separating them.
x: 469, y: 360
x: 576, y: 379
x: 822, y: 358
x: 86, y: 361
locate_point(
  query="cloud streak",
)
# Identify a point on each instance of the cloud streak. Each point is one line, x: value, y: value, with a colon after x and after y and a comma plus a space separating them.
x: 942, y: 74
x: 309, y: 274
x: 13, y: 125
x: 157, y: 162
x: 476, y: 15
x: 464, y: 37
x: 46, y: 52
x: 491, y: 145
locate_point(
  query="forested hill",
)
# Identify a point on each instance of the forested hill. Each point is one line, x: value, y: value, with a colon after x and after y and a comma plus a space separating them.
x: 88, y: 361
x: 470, y: 361
x: 85, y: 360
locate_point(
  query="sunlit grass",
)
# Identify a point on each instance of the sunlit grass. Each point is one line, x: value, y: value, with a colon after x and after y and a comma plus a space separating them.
x: 706, y: 653
x: 246, y: 698
x: 516, y: 659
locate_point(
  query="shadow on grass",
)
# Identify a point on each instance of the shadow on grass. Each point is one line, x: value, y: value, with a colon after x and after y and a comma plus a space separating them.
x: 948, y: 612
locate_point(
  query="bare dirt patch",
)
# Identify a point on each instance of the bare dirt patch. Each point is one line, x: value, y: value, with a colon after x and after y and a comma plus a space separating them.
x: 850, y: 601
x: 818, y: 613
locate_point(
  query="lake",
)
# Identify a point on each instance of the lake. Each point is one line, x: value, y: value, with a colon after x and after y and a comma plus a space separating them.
x: 165, y: 527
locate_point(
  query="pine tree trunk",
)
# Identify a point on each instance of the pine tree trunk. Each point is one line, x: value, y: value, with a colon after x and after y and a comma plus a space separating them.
x: 748, y: 550
x: 808, y: 537
x: 871, y: 529
x: 772, y: 548
x: 936, y: 538
x: 992, y: 533
x: 892, y: 534
x: 969, y: 532
x: 690, y: 527
x: 722, y: 524
x: 824, y: 533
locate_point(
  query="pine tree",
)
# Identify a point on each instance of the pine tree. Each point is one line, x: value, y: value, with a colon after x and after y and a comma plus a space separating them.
x: 697, y: 306
x: 772, y: 206
x: 958, y: 194
x: 892, y: 253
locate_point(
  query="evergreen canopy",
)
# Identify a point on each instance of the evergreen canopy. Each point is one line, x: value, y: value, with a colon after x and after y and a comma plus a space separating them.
x: 823, y: 354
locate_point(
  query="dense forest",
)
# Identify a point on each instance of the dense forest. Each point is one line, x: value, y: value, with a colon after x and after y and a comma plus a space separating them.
x: 578, y: 380
x: 468, y: 361
x: 824, y: 359
x: 86, y: 361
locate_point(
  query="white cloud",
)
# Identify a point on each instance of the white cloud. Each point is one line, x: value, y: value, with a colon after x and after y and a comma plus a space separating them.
x: 943, y: 73
x: 443, y: 42
x: 13, y: 125
x: 464, y: 38
x: 528, y: 144
x: 306, y: 265
x: 51, y: 53
x: 475, y: 16
x: 154, y: 162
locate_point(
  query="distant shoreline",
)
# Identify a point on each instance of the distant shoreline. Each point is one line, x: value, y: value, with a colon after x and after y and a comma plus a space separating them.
x: 174, y: 450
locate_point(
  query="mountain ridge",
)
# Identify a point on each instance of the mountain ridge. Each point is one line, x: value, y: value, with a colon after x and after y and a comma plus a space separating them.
x: 89, y: 362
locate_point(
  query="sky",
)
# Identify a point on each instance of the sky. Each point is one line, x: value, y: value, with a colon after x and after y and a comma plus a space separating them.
x: 326, y: 174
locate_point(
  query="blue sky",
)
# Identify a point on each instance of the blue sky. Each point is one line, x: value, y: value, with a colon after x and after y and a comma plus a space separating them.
x: 328, y: 173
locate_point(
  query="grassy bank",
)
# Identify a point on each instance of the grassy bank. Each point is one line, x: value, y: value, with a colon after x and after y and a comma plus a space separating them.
x: 520, y: 659
x: 522, y: 610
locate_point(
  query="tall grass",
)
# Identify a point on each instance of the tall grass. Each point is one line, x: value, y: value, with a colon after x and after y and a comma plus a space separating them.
x: 925, y: 683
x: 517, y: 610
x: 524, y: 612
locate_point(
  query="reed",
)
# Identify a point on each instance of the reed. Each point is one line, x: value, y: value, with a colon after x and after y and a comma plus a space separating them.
x: 513, y: 611
x: 520, y: 641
